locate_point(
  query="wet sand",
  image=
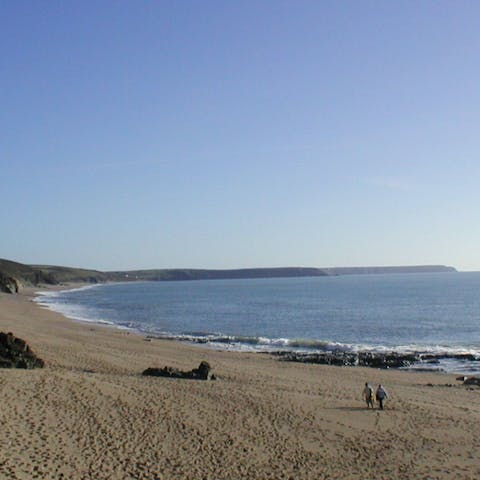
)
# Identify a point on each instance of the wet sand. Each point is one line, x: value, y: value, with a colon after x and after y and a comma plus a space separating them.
x: 89, y: 414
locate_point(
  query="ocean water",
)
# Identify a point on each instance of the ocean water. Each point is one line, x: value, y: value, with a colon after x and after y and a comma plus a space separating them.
x: 437, y: 313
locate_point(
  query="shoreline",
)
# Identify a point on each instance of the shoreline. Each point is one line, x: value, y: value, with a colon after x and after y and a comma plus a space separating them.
x: 89, y: 414
x: 447, y: 359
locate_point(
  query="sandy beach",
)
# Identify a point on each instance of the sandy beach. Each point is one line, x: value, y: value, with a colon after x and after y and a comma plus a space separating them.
x: 89, y: 414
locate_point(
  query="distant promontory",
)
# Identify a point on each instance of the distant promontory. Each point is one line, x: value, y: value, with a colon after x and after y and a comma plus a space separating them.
x: 380, y: 270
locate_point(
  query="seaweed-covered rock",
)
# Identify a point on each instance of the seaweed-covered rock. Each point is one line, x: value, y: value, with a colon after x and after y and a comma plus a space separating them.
x: 200, y: 373
x: 15, y: 353
x: 386, y: 360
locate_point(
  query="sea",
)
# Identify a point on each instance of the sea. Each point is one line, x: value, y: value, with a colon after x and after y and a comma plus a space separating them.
x: 437, y: 313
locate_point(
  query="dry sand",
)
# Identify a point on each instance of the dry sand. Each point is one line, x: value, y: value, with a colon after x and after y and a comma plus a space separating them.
x: 89, y: 414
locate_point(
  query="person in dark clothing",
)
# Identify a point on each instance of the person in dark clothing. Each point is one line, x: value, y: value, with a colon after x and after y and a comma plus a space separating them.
x: 381, y: 396
x: 368, y: 395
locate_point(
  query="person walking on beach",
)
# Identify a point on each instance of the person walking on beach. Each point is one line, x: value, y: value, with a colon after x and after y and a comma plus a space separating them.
x: 368, y: 395
x: 381, y: 396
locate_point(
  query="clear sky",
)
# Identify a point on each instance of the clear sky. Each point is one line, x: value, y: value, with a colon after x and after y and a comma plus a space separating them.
x: 230, y: 134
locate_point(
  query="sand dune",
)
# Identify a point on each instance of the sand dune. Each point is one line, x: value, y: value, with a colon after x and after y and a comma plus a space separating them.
x: 89, y: 414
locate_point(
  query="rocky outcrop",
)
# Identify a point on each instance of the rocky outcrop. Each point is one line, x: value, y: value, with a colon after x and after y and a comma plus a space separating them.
x: 364, y: 359
x: 373, y: 359
x: 470, y: 380
x: 15, y: 353
x: 35, y: 275
x: 200, y: 373
x: 8, y: 284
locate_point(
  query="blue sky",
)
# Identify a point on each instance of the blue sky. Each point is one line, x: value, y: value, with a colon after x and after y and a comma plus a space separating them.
x: 239, y: 134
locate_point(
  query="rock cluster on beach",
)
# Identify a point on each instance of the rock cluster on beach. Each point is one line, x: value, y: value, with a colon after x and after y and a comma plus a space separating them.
x: 364, y: 359
x: 15, y: 353
x: 200, y: 373
x: 370, y: 359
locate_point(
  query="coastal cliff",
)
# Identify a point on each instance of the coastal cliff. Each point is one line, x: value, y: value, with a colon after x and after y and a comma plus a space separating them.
x: 14, y: 275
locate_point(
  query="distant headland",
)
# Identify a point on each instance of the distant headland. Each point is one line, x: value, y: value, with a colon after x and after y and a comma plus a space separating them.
x: 14, y: 275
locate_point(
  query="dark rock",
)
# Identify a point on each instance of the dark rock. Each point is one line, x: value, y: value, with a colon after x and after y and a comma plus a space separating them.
x: 428, y: 369
x: 468, y: 357
x: 386, y: 360
x: 8, y: 284
x: 15, y: 353
x: 470, y: 380
x: 200, y: 373
x: 431, y: 361
x: 464, y: 356
x: 339, y: 358
x: 374, y: 359
x: 203, y: 370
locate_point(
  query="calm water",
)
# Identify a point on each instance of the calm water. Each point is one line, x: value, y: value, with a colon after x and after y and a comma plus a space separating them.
x: 408, y: 312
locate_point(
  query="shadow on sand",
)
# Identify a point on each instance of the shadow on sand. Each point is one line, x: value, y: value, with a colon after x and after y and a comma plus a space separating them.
x: 355, y: 409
